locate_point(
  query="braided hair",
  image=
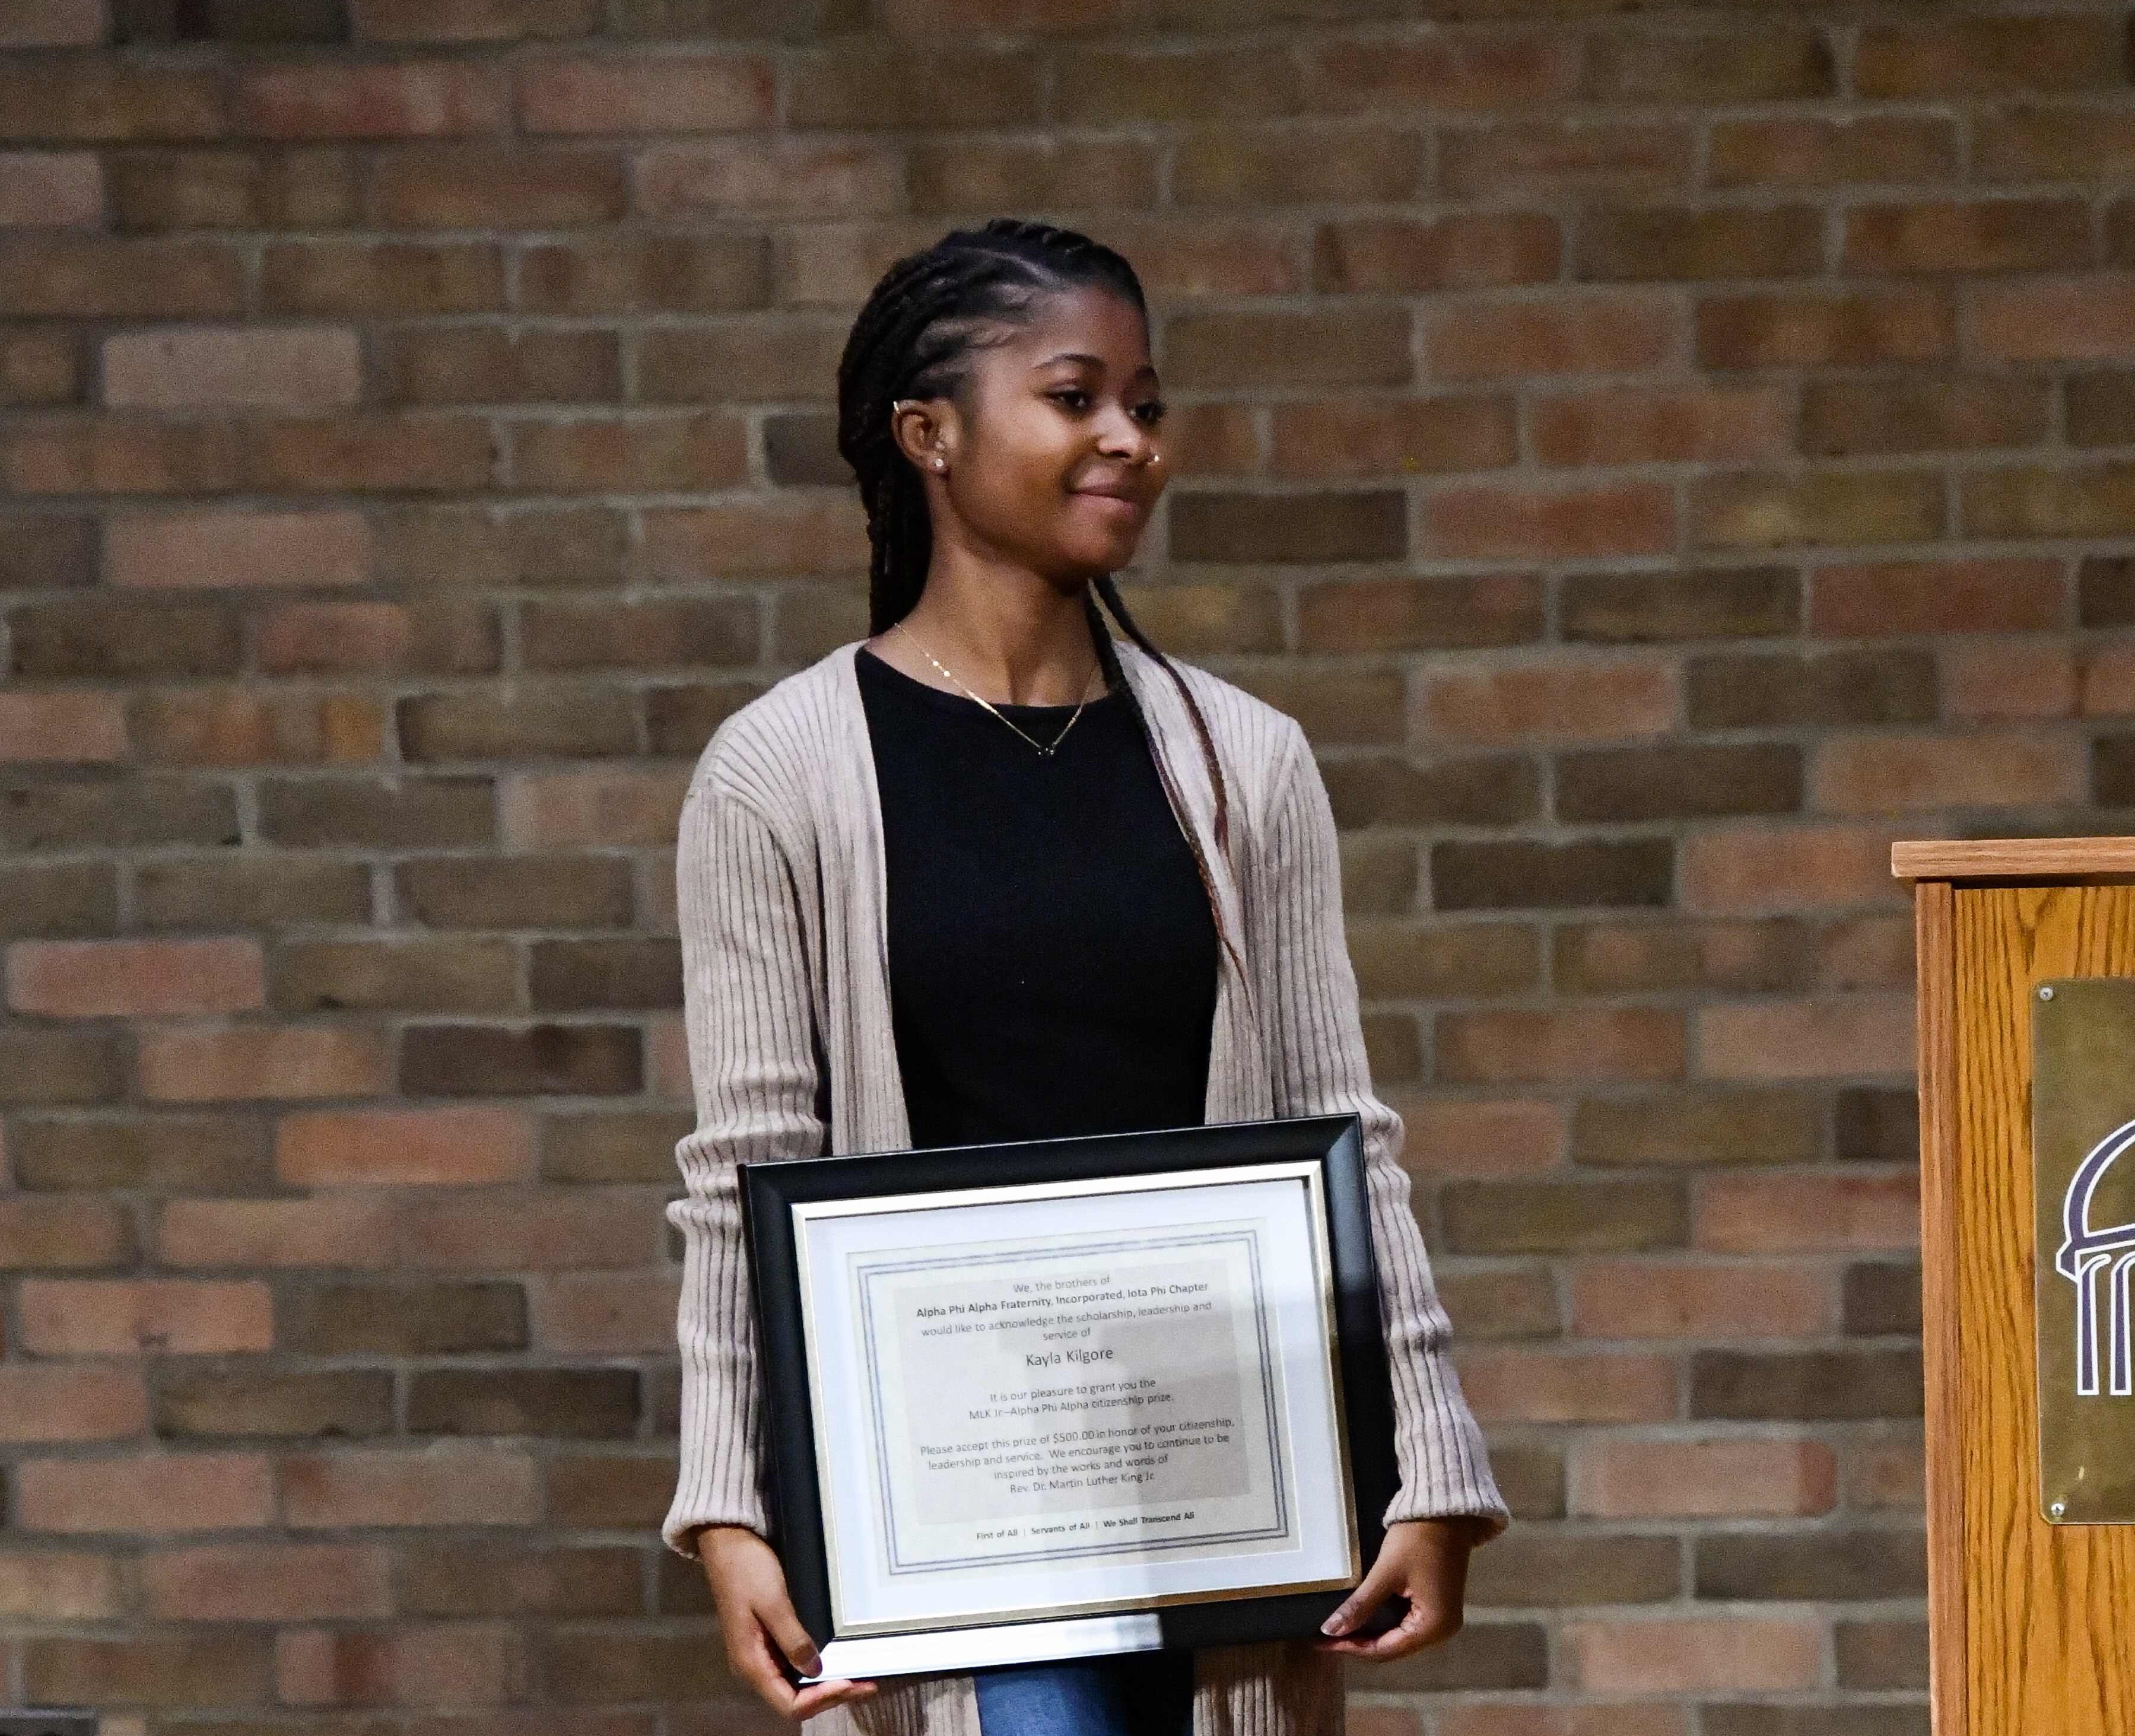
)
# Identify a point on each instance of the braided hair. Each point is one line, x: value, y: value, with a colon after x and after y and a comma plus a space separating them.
x: 914, y: 338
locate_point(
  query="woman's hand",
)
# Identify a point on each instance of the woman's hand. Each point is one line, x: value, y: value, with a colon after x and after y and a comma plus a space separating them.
x: 1425, y: 1560
x: 757, y: 1621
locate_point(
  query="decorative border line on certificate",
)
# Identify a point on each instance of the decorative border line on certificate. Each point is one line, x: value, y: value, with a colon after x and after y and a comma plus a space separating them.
x: 1137, y: 1545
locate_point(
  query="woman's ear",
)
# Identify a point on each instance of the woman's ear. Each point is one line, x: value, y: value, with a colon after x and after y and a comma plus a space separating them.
x: 919, y: 426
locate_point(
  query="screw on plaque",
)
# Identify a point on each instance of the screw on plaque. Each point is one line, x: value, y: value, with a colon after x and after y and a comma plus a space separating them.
x: 2046, y: 993
x: 2058, y: 1509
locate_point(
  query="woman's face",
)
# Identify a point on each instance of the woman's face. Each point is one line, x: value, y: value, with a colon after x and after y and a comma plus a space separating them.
x: 1052, y: 452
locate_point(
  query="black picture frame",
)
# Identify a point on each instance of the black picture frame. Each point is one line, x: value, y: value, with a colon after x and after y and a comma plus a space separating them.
x: 769, y: 1191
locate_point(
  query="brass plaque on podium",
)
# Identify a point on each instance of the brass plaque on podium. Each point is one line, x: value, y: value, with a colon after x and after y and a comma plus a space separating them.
x: 2083, y: 1155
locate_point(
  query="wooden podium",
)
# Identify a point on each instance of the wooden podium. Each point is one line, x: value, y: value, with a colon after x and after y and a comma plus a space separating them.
x: 2031, y: 1621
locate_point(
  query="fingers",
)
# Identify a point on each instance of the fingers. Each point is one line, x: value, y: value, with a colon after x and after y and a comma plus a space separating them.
x: 821, y: 1696
x: 1375, y: 1587
x: 776, y: 1613
x: 1426, y: 1624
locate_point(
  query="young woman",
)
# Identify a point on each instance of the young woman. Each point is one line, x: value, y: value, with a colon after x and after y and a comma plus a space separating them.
x: 992, y: 875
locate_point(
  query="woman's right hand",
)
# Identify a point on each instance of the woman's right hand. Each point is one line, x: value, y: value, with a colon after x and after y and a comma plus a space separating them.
x: 757, y: 1621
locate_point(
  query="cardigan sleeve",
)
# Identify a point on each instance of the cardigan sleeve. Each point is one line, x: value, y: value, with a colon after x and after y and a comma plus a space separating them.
x: 1310, y: 989
x: 754, y: 1070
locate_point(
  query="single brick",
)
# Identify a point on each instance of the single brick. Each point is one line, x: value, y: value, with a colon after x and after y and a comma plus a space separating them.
x: 1563, y: 1217
x: 403, y: 1319
x: 40, y: 815
x: 1820, y: 1566
x: 1408, y: 961
x: 1482, y: 522
x: 403, y: 1148
x: 61, y: 727
x: 663, y: 635
x: 1570, y: 1043
x: 1599, y: 158
x: 524, y: 722
x: 583, y: 1404
x: 778, y: 536
x: 1663, y: 245
x: 298, y: 1232
x: 1564, y: 701
x: 458, y: 1487
x: 468, y: 1664
x: 1799, y: 1214
x: 1753, y: 692
x: 1440, y: 70
x: 369, y: 279
x: 327, y: 638
x: 231, y: 20
x: 1811, y: 150
x: 647, y: 453
x: 1520, y: 875
x: 72, y: 275
x: 62, y: 1235
x: 608, y: 1490
x: 608, y: 809
x: 1757, y: 869
x: 1545, y: 1568
x: 423, y: 976
x: 239, y: 1403
x: 226, y: 726
x: 1480, y: 790
x: 1805, y: 1386
x: 62, y: 1403
x: 574, y: 975
x: 1692, y: 1656
x: 1603, y: 332
x: 1711, y: 425
x: 462, y: 893
x: 49, y: 189
x: 1417, y: 614
x: 484, y: 187
x: 99, y: 979
x: 485, y: 365
x: 56, y: 1585
x: 621, y: 1145
x: 1882, y: 1655
x: 712, y: 274
x: 1380, y: 437
x: 411, y: 98
x: 146, y: 1153
x: 606, y: 1314
x: 269, y: 1582
x: 481, y: 1579
x: 406, y: 812
x: 1879, y: 773
x: 231, y: 1666
x: 1474, y: 250
x: 151, y: 1494
x: 541, y: 1060
x: 1644, y: 958
x: 548, y: 1231
x: 1778, y: 510
x: 965, y: 173
x: 1745, y: 1476
x: 1508, y: 1383
x: 1986, y: 57
x: 1719, y: 603
x: 1650, y: 1299
x: 1965, y: 236
x: 248, y: 891
x: 1318, y: 528
x: 184, y: 1065
x: 1806, y: 328
x: 180, y: 369
x: 122, y: 638
x: 1502, y: 1305
x: 180, y: 1316
x: 1621, y: 784
x: 1226, y: 351
x: 1723, y: 1127
x: 628, y: 94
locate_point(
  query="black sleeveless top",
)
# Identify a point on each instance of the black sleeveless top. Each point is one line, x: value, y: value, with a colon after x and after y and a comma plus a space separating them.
x: 1052, y: 957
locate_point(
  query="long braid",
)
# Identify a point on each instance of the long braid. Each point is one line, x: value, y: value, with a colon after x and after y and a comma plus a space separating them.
x: 913, y: 339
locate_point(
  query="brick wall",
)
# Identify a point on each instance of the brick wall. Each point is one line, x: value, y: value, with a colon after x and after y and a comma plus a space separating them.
x: 1662, y: 457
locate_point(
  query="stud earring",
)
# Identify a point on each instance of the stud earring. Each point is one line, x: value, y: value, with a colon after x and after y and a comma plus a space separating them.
x: 941, y: 464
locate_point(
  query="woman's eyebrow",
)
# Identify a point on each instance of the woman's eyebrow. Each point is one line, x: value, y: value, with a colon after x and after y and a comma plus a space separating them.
x: 1091, y: 361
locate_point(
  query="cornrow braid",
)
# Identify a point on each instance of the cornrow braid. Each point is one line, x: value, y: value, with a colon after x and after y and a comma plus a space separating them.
x: 914, y: 338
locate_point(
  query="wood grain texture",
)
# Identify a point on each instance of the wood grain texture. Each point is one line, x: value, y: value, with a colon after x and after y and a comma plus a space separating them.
x: 2012, y: 859
x: 1932, y: 916
x: 2047, y: 1644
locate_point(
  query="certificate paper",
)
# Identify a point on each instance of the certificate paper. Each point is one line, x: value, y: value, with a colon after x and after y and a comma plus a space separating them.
x: 1059, y: 1399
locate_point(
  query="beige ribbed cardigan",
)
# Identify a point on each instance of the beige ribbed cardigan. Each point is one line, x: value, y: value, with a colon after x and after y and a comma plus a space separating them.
x: 782, y: 904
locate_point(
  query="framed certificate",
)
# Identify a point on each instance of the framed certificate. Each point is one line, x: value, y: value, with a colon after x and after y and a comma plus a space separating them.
x: 1066, y: 1397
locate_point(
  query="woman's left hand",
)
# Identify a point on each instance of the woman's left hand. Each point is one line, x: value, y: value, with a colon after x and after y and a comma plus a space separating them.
x: 1424, y: 1561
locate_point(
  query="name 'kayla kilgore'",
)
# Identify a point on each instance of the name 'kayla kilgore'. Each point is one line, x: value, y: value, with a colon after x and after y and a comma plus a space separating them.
x: 1054, y: 1358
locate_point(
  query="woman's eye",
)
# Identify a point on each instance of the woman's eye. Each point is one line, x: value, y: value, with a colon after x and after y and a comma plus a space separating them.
x: 1152, y: 413
x: 1071, y: 397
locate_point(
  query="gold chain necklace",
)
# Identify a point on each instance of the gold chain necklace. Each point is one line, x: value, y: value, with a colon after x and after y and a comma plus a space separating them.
x: 1046, y: 750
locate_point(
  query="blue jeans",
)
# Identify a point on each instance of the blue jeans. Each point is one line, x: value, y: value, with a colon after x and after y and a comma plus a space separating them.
x: 1135, y: 1694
